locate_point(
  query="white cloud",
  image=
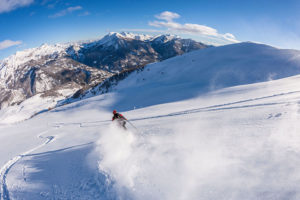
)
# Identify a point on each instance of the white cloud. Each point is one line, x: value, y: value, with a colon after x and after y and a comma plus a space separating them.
x: 168, y: 16
x: 229, y: 37
x: 8, y: 43
x: 186, y: 28
x: 66, y: 11
x: 9, y: 5
x: 189, y: 29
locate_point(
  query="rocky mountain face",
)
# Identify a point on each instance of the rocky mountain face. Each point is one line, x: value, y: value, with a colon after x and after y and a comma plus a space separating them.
x: 47, y: 70
x: 64, y: 69
x: 119, y: 51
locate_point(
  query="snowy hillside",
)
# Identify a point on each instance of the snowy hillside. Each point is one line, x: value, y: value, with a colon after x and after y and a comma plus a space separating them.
x: 235, y: 143
x: 201, y: 71
x: 198, y: 72
x: 193, y: 140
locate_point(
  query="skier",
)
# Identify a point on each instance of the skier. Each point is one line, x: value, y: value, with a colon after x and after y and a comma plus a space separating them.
x: 120, y: 119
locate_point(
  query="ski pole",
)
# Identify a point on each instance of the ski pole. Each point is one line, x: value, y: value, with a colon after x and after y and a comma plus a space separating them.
x: 132, y: 125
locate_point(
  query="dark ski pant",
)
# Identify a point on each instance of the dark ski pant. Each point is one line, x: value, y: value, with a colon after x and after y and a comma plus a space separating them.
x: 121, y: 123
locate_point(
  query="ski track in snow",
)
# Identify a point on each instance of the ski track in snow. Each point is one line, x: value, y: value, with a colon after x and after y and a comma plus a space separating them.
x: 218, y: 107
x: 222, y: 106
x: 4, y: 193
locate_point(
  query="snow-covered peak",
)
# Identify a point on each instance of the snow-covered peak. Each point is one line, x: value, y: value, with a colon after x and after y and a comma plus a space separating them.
x: 141, y: 37
x: 127, y: 35
x: 21, y: 57
x: 9, y: 66
x: 113, y: 38
x: 164, y: 38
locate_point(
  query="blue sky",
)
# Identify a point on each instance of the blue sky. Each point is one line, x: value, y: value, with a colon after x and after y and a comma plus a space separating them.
x: 30, y: 23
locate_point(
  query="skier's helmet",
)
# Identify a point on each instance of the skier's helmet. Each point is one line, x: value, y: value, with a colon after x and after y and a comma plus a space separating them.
x: 114, y: 112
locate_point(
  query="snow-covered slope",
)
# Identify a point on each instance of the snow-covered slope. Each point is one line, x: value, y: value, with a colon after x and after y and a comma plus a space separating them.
x: 239, y: 142
x: 195, y: 73
x: 236, y: 143
x: 201, y: 71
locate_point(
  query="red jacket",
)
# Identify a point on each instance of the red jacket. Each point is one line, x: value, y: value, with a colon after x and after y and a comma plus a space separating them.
x: 118, y: 116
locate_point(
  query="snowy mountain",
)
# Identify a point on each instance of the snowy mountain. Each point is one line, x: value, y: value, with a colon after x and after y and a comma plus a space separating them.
x: 46, y: 71
x: 58, y: 71
x: 198, y: 72
x: 119, y: 51
x: 219, y: 123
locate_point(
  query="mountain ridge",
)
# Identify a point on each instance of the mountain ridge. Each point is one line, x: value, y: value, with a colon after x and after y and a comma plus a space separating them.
x: 79, y: 66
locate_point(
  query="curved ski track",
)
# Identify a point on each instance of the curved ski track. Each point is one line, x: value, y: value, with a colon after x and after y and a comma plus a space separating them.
x: 4, y: 193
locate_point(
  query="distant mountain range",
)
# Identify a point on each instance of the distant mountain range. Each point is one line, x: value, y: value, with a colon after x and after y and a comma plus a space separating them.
x: 60, y: 71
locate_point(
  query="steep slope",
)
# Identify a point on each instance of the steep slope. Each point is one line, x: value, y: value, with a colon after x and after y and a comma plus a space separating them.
x: 198, y: 72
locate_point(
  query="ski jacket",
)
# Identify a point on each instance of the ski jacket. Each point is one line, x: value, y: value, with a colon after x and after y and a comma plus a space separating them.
x: 118, y: 116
